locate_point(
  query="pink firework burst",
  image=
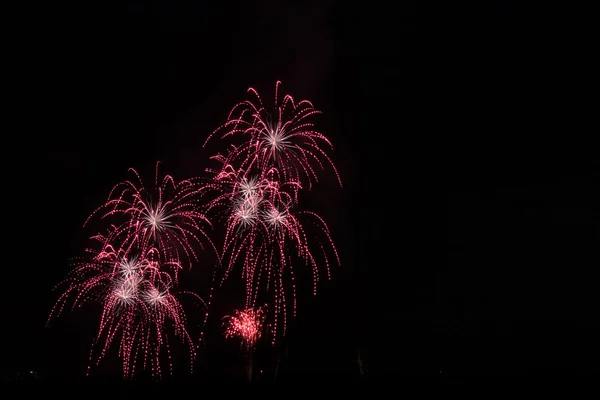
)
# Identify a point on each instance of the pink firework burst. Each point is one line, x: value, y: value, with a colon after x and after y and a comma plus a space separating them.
x: 166, y: 218
x: 138, y: 307
x: 255, y: 190
x: 282, y: 135
x: 246, y: 326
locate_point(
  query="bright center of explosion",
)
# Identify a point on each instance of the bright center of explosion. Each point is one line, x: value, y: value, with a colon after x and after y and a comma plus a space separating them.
x: 128, y: 267
x: 155, y: 297
x: 249, y: 187
x: 157, y: 219
x: 126, y: 289
x: 276, y: 139
x: 275, y: 217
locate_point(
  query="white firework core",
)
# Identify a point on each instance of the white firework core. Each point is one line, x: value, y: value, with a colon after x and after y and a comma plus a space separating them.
x: 129, y: 267
x: 275, y: 139
x: 154, y: 297
x: 249, y: 187
x: 157, y: 219
x: 126, y: 289
x: 246, y: 211
x: 275, y: 217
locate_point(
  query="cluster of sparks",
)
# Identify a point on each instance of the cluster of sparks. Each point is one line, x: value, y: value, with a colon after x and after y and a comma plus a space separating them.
x: 150, y: 236
x: 276, y: 154
x: 246, y: 326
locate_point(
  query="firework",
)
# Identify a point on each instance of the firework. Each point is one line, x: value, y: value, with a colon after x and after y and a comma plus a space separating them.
x: 266, y: 234
x: 282, y: 136
x: 138, y: 308
x: 151, y: 233
x: 246, y: 326
x: 166, y: 218
x: 255, y: 192
x: 272, y: 253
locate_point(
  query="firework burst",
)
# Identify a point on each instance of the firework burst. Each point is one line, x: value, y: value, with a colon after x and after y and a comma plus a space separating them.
x: 138, y: 308
x: 166, y: 218
x: 282, y: 136
x: 245, y: 326
x: 255, y: 191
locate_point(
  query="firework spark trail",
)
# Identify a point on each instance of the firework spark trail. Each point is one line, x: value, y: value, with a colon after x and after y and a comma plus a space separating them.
x: 138, y: 308
x: 255, y: 191
x: 281, y: 136
x: 282, y: 246
x: 246, y: 326
x: 167, y: 219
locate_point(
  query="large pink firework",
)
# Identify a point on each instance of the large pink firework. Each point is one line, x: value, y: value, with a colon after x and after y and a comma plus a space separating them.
x: 280, y: 135
x: 138, y: 308
x: 255, y: 191
x: 166, y: 218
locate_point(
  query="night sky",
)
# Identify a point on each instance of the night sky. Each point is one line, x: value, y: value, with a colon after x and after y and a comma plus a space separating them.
x: 468, y: 224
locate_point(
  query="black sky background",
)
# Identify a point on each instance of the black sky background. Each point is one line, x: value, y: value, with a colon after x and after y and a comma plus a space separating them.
x: 514, y: 107
x: 468, y: 221
x: 123, y: 86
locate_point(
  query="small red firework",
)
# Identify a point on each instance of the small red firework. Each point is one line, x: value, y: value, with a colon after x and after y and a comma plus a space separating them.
x: 246, y: 326
x: 281, y: 136
x: 138, y: 308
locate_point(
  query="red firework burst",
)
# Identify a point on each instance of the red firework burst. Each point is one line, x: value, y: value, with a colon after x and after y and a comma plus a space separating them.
x: 246, y: 326
x: 282, y: 136
x: 138, y: 307
x: 166, y: 218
